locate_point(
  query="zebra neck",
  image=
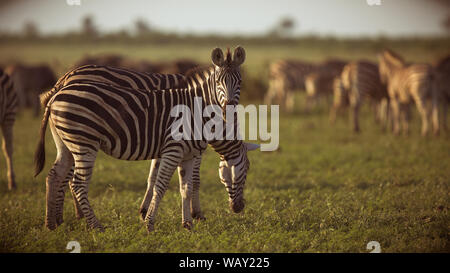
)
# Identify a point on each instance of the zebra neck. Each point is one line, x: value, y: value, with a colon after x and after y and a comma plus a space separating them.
x: 227, y: 149
x: 201, y: 84
x: 231, y: 144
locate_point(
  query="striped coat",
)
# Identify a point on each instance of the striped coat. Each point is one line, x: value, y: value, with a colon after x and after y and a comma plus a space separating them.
x: 8, y: 109
x: 116, y: 77
x: 288, y: 76
x: 29, y: 81
x: 407, y: 83
x: 285, y: 78
x: 359, y: 81
x: 133, y: 124
x: 442, y: 72
x: 131, y: 79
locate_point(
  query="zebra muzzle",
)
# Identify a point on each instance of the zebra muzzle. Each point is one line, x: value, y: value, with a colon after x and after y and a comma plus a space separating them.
x: 237, y: 205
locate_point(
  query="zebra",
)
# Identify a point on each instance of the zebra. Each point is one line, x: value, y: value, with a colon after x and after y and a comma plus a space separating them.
x: 406, y: 83
x: 359, y: 80
x: 286, y: 77
x: 318, y: 85
x: 28, y: 82
x: 113, y: 76
x: 148, y: 81
x: 80, y: 128
x: 8, y: 109
x: 442, y: 71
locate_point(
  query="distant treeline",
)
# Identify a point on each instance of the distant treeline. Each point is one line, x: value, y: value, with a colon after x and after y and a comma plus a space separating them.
x: 162, y: 38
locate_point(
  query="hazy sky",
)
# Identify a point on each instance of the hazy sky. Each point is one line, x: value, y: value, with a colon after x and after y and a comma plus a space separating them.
x: 324, y: 17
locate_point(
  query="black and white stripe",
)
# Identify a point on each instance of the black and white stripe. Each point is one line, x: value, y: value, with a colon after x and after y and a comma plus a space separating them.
x: 8, y: 109
x: 128, y: 124
x: 407, y: 83
x: 359, y: 81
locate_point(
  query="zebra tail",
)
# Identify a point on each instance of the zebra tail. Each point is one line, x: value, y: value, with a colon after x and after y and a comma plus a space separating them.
x: 39, y: 155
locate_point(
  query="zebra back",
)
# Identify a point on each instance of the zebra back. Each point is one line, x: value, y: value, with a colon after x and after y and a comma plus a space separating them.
x: 363, y: 78
x: 117, y: 77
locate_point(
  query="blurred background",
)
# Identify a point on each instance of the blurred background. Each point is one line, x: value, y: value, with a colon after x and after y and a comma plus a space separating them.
x: 68, y: 32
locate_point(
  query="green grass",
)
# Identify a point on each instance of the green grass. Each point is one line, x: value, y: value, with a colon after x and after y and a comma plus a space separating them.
x: 325, y: 190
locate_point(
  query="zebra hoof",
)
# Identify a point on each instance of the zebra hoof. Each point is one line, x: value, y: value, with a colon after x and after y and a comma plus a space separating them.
x: 188, y: 225
x: 198, y: 216
x: 50, y: 226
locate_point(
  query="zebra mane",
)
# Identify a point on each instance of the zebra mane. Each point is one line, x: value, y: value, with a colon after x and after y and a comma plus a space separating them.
x: 228, y: 59
x: 393, y: 58
x: 197, y: 70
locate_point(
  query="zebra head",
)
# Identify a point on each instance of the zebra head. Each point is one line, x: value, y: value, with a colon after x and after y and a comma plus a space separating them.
x: 389, y: 61
x: 233, y: 173
x: 227, y: 75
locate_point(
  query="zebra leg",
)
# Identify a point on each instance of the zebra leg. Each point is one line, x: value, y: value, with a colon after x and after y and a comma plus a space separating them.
x: 168, y: 164
x: 335, y: 107
x: 271, y: 93
x: 355, y: 118
x: 435, y: 98
x: 444, y: 113
x: 59, y: 206
x: 289, y: 101
x: 154, y: 166
x: 424, y: 114
x: 196, y: 211
x: 185, y: 178
x: 7, y: 146
x: 54, y: 182
x: 78, y: 212
x: 384, y: 108
x: 404, y: 116
x: 395, y: 116
x: 84, y: 165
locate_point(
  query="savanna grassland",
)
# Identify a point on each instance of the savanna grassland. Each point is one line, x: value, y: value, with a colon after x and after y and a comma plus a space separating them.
x: 325, y: 190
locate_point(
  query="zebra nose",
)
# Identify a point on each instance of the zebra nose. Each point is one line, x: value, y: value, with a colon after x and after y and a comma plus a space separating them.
x: 237, y: 205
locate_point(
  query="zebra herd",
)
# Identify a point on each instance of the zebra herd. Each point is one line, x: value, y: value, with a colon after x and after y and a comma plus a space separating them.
x: 391, y: 86
x: 127, y: 115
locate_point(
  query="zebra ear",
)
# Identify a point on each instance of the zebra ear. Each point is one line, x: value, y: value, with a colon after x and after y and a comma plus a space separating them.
x: 239, y: 56
x: 217, y: 57
x: 251, y: 146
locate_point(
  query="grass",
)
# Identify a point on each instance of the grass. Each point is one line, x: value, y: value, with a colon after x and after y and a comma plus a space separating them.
x: 325, y: 190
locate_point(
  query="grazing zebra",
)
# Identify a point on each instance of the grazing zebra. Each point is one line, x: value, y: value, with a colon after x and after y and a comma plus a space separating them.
x: 134, y: 124
x: 286, y: 77
x: 29, y: 81
x: 406, y: 83
x: 318, y: 85
x: 148, y: 81
x: 8, y: 109
x: 442, y: 69
x: 359, y: 80
x: 112, y: 76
